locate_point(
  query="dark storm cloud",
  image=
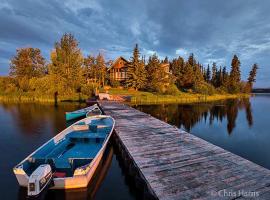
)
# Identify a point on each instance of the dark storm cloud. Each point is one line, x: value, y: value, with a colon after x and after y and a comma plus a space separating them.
x: 212, y: 30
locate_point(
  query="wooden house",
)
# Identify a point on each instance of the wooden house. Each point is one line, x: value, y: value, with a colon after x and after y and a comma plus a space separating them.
x: 118, y: 70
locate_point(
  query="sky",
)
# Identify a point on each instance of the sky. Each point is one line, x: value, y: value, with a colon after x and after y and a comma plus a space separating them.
x: 213, y: 30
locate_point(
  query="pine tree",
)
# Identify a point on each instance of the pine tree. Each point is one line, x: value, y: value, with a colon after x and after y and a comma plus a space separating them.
x: 136, y: 72
x: 225, y: 77
x: 208, y: 74
x: 219, y: 77
x: 166, y: 60
x: 191, y: 60
x: 152, y: 69
x: 101, y: 69
x: 177, y: 68
x: 235, y: 75
x: 187, y: 76
x: 198, y: 75
x: 90, y: 69
x: 252, y: 74
x: 214, y: 74
x: 252, y: 77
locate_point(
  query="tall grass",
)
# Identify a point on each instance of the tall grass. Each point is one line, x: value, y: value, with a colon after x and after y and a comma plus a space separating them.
x: 138, y: 97
x: 27, y: 98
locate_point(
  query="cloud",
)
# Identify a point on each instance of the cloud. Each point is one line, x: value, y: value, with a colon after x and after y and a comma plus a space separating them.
x: 212, y: 30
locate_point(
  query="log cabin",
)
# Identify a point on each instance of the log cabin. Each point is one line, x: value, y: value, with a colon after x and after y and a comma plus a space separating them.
x: 118, y: 70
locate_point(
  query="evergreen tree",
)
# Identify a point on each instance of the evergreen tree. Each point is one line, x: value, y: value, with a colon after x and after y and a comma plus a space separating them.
x: 225, y: 77
x: 252, y: 75
x: 191, y: 60
x: 166, y: 60
x: 208, y: 74
x: 219, y: 77
x: 198, y: 75
x: 235, y: 75
x: 187, y: 76
x: 101, y: 69
x: 177, y: 69
x: 136, y: 72
x: 90, y: 69
x: 214, y: 74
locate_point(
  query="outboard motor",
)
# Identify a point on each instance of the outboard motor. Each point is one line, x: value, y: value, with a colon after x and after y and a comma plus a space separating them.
x: 39, y: 180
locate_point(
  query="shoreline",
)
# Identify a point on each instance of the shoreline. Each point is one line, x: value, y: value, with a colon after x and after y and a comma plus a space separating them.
x: 135, y: 100
x: 188, y: 100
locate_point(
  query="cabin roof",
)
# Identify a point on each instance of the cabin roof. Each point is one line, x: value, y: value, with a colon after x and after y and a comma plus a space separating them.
x: 116, y: 60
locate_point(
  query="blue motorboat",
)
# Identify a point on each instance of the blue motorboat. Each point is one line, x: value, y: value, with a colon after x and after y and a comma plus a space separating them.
x: 69, y: 159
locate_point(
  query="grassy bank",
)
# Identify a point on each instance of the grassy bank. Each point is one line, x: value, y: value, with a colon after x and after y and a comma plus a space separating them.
x: 138, y: 97
x: 39, y: 98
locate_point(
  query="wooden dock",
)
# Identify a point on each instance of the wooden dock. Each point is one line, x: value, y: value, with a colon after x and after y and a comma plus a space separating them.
x: 172, y: 164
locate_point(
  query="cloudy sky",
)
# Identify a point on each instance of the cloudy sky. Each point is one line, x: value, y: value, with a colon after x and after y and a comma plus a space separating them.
x: 213, y: 30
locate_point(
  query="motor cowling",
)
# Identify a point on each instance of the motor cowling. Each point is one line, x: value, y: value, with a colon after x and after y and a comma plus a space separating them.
x: 39, y: 180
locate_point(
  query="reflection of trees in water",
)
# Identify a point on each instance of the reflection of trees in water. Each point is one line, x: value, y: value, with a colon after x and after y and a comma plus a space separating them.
x: 32, y: 117
x: 188, y: 115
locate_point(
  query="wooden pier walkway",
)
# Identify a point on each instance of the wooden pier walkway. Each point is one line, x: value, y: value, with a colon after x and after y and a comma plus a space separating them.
x: 174, y: 164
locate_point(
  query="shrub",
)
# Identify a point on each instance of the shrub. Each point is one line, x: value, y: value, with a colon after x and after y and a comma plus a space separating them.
x: 11, y: 88
x: 221, y: 90
x: 89, y: 89
x: 115, y: 84
x: 172, y: 90
x: 24, y: 84
x: 204, y: 88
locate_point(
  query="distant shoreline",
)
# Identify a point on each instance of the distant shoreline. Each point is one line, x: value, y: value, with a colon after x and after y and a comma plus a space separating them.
x: 261, y: 90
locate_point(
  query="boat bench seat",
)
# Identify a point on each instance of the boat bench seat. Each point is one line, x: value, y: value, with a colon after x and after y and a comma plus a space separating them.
x: 86, y: 135
x: 80, y: 127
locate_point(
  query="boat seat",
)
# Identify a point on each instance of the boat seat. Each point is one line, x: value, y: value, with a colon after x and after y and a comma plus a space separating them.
x: 80, y: 127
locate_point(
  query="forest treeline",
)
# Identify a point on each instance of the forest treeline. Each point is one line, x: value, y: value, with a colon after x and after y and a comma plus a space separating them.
x: 69, y: 72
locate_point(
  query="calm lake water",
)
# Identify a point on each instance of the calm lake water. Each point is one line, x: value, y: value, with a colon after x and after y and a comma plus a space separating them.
x: 240, y: 126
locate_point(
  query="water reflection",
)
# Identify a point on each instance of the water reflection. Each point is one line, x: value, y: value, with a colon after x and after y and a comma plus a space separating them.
x: 28, y: 117
x: 187, y: 116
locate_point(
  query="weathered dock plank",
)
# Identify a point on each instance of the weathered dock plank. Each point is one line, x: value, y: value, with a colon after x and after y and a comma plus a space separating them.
x: 177, y: 165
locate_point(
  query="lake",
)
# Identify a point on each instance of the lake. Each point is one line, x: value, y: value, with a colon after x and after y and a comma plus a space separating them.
x: 240, y: 126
